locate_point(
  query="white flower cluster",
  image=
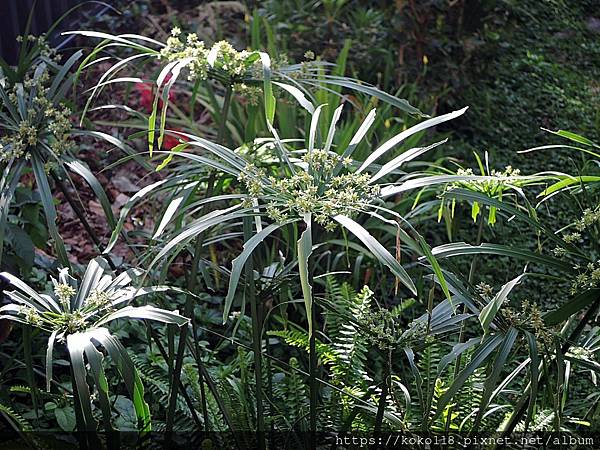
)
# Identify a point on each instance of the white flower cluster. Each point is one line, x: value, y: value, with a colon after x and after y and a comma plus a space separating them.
x: 44, y: 121
x: 315, y: 191
x: 489, y: 187
x: 232, y: 63
x: 64, y: 292
x: 588, y: 278
x: 590, y: 218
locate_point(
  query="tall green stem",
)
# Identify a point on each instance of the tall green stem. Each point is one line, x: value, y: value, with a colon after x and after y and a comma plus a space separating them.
x: 184, y: 394
x: 80, y: 215
x: 27, y: 346
x: 383, y: 398
x: 256, y: 338
x: 224, y: 114
x: 192, y: 281
x: 304, y: 252
x: 461, y: 335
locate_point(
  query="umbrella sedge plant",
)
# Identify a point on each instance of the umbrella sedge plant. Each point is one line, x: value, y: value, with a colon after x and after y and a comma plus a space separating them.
x: 315, y: 186
x: 75, y: 315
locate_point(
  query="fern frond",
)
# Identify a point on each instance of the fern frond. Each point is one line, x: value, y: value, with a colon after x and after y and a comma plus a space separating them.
x: 15, y: 418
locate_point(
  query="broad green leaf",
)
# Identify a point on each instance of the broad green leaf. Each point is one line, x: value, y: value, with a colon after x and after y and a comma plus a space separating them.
x: 125, y: 212
x: 178, y: 148
x: 9, y: 182
x: 93, y: 273
x: 314, y: 124
x: 95, y: 360
x: 49, y: 357
x: 360, y: 134
x: 391, y: 143
x: 568, y: 181
x: 496, y: 372
x: 92, y: 181
x: 239, y: 262
x: 435, y: 266
x: 377, y: 249
x: 462, y: 248
x: 534, y: 375
x: 298, y: 95
x: 175, y: 72
x: 32, y: 297
x: 574, y: 137
x: 122, y: 38
x: 457, y: 350
x: 477, y: 360
x: 49, y: 210
x: 371, y: 91
x: 463, y: 194
x: 145, y: 312
x: 270, y: 101
x: 407, y: 156
x: 173, y: 207
x: 75, y: 345
x: 59, y: 77
x: 199, y: 226
x: 331, y: 133
x: 571, y: 307
x: 488, y: 313
x: 305, y: 248
x: 65, y: 417
x: 129, y: 373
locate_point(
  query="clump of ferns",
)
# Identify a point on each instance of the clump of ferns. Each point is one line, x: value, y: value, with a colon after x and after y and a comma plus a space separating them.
x: 355, y: 325
x: 156, y: 381
x: 291, y: 395
x: 75, y: 314
x: 15, y: 419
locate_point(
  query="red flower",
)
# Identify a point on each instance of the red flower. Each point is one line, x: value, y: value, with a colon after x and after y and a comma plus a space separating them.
x: 146, y: 95
x: 171, y: 141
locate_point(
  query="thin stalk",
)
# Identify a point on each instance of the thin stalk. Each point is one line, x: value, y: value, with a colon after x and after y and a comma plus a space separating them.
x: 80, y: 215
x: 184, y: 393
x: 78, y: 413
x: 383, y: 397
x: 304, y: 252
x: 269, y: 373
x: 312, y: 370
x: 224, y: 114
x: 256, y: 338
x: 461, y: 334
x: 215, y: 392
x: 188, y: 311
x: 192, y: 283
x: 27, y: 345
x: 477, y: 242
x: 200, y: 377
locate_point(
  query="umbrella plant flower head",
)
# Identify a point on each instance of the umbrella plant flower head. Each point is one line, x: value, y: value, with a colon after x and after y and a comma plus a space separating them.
x: 493, y: 184
x: 221, y: 56
x: 76, y: 313
x: 34, y: 115
x: 36, y: 132
x: 316, y: 191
